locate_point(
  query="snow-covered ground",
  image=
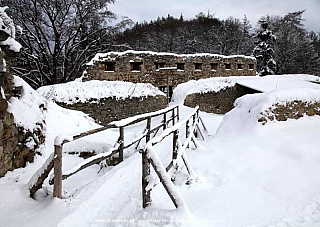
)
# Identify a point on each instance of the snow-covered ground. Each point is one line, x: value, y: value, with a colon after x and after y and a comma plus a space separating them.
x: 250, y: 175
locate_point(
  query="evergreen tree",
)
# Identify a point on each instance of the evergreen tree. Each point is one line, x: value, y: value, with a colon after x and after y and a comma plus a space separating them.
x: 263, y: 50
x: 295, y: 50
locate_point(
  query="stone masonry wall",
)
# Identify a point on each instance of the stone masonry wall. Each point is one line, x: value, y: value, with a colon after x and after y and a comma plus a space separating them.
x: 292, y: 110
x: 217, y: 102
x: 16, y: 146
x: 105, y: 110
x: 194, y: 67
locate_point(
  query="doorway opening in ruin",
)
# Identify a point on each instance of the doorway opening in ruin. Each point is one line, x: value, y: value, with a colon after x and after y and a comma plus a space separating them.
x: 168, y: 90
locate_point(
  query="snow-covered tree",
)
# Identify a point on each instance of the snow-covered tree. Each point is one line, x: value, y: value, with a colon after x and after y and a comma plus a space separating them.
x: 264, y: 51
x: 59, y: 37
x: 295, y: 50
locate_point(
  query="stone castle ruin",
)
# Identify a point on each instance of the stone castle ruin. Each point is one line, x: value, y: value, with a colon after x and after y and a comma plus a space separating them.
x: 167, y: 70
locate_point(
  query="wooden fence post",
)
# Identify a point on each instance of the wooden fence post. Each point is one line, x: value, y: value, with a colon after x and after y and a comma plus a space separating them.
x: 57, y: 187
x: 165, y: 121
x: 146, y: 197
x: 121, y: 143
x: 194, y: 124
x: 173, y: 117
x: 175, y: 144
x: 187, y: 129
x: 175, y: 154
x: 148, y: 129
x: 178, y: 113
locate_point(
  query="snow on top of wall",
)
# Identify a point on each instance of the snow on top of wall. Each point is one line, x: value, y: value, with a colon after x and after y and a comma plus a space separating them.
x: 7, y: 25
x: 12, y: 43
x: 263, y: 84
x: 249, y: 108
x: 77, y: 91
x: 201, y: 86
x: 102, y: 56
x: 26, y: 109
x: 257, y: 103
x: 277, y: 82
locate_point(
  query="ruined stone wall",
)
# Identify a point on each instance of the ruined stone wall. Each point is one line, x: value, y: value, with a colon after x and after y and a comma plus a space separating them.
x: 217, y: 102
x: 146, y: 70
x: 17, y: 145
x: 291, y: 110
x: 105, y: 110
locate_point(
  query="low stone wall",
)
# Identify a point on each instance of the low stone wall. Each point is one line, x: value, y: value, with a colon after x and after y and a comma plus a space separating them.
x: 217, y: 102
x: 292, y: 110
x: 106, y: 110
x: 17, y: 146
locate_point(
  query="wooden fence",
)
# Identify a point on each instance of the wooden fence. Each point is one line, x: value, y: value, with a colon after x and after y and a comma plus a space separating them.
x: 115, y: 153
x: 149, y: 157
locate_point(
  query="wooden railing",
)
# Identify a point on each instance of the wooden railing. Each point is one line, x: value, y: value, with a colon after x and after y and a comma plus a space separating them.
x: 115, y: 153
x: 149, y: 157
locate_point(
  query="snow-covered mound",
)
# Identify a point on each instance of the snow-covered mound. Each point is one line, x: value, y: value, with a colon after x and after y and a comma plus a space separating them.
x: 78, y: 91
x: 28, y: 110
x: 250, y: 108
x: 214, y: 84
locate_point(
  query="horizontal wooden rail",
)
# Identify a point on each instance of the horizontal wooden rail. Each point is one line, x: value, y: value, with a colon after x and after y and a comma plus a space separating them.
x: 38, y: 179
x: 178, y: 151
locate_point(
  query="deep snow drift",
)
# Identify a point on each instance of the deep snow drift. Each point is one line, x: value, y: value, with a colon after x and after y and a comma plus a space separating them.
x: 250, y: 175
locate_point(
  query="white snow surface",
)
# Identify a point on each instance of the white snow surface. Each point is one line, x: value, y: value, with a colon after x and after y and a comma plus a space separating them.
x: 13, y: 44
x: 78, y: 91
x: 26, y: 110
x: 279, y: 82
x: 251, y: 175
x: 111, y: 55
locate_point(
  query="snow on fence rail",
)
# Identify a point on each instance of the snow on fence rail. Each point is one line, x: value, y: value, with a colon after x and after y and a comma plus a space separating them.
x: 55, y: 159
x: 149, y: 157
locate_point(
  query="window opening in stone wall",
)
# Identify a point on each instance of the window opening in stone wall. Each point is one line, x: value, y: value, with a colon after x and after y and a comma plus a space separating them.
x: 228, y: 66
x: 180, y: 66
x: 110, y: 66
x: 214, y: 66
x: 240, y: 66
x: 251, y: 66
x: 160, y: 65
x: 198, y: 66
x: 136, y: 66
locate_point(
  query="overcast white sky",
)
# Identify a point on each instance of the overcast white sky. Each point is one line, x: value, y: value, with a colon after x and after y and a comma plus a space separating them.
x: 140, y: 10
